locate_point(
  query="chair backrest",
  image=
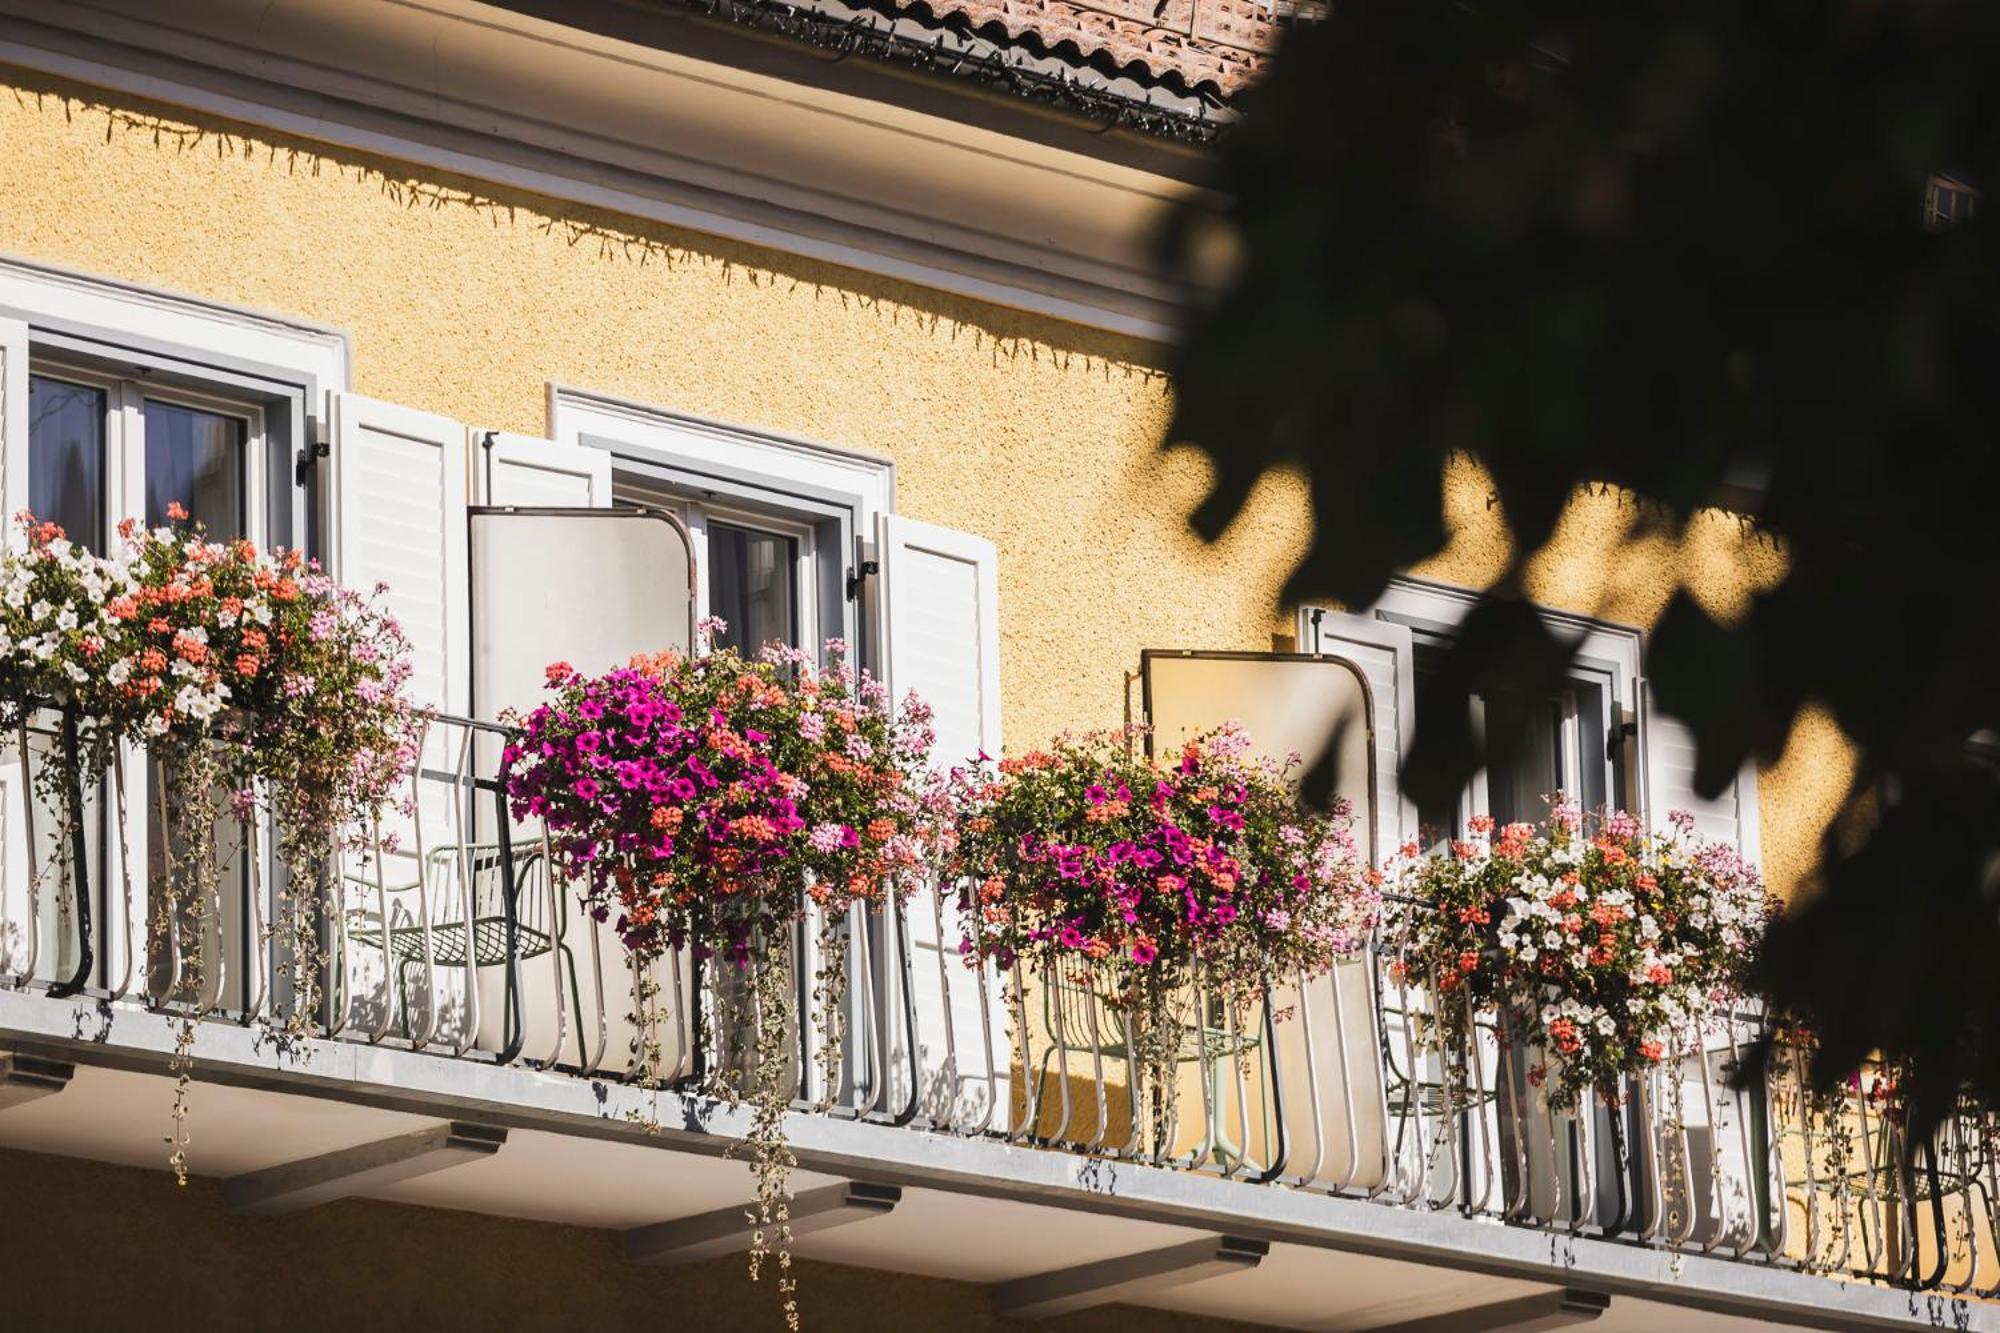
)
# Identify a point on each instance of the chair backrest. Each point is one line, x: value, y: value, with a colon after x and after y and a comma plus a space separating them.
x: 451, y: 864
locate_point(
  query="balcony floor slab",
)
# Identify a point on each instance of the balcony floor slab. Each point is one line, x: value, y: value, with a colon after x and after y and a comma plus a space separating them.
x: 581, y: 1151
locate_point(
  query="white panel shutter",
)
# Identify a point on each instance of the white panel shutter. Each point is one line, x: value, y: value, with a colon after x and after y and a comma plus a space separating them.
x: 531, y: 473
x: 941, y: 639
x: 397, y: 494
x: 941, y: 631
x: 398, y: 502
x: 16, y: 926
x: 1669, y: 756
x: 13, y: 423
x: 1386, y: 654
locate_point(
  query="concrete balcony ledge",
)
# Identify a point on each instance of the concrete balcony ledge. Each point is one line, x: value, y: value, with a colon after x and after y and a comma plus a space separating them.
x: 567, y: 1148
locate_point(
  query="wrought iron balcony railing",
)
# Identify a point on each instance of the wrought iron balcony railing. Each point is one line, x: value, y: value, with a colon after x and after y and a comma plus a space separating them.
x: 451, y: 936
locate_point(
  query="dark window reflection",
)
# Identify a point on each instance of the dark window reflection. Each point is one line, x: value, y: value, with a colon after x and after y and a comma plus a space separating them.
x: 1518, y: 787
x: 1437, y: 821
x: 66, y: 457
x: 196, y: 458
x: 750, y: 585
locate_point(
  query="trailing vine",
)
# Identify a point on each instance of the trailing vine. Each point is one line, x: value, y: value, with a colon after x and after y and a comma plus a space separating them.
x: 1149, y: 884
x: 297, y: 928
x: 232, y: 666
x: 645, y: 1018
x: 191, y: 770
x: 1159, y: 1033
x: 829, y: 995
x: 774, y: 1011
x: 703, y: 803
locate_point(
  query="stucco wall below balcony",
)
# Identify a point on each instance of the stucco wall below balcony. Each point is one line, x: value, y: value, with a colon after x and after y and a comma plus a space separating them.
x: 89, y: 1246
x: 468, y: 300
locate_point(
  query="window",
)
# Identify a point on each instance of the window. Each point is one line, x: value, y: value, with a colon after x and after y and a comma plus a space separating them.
x: 1948, y: 199
x: 196, y: 458
x: 1572, y: 746
x: 66, y: 455
x: 101, y: 448
x: 758, y: 568
x: 1578, y: 737
x: 130, y: 398
x: 783, y: 529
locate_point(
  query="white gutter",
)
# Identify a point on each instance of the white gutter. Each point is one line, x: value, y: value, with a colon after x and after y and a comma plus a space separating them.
x: 466, y: 88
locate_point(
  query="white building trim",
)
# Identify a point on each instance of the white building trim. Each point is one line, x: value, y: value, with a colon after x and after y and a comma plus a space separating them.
x: 476, y: 90
x: 680, y: 439
x: 203, y: 334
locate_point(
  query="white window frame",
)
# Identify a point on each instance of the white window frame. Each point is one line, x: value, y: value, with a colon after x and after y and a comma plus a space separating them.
x: 125, y: 442
x: 805, y: 564
x: 211, y: 346
x: 755, y: 478
x: 1609, y: 652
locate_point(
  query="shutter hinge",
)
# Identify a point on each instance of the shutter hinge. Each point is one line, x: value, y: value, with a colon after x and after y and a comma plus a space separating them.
x: 312, y: 453
x: 854, y: 578
x: 1614, y: 741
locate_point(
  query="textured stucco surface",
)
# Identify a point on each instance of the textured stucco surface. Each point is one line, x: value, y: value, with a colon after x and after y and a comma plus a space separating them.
x: 88, y: 1246
x: 467, y: 300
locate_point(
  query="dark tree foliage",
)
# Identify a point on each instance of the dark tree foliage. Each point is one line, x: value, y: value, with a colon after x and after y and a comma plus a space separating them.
x: 1679, y: 247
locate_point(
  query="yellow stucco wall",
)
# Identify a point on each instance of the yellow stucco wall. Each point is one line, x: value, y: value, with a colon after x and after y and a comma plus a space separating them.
x: 468, y: 300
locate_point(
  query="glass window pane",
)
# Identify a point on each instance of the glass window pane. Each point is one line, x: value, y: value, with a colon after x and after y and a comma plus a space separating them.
x: 751, y: 578
x: 1594, y: 785
x: 66, y: 457
x: 195, y: 457
x: 1437, y: 822
x: 1517, y: 788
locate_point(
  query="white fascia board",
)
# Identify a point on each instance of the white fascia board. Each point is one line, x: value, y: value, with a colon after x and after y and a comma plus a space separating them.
x: 841, y: 179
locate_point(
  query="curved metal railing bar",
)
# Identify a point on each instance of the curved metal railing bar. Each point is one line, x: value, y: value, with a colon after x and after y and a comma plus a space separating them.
x: 77, y: 854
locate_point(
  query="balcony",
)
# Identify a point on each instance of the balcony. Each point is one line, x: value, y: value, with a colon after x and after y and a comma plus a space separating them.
x: 1319, y: 1168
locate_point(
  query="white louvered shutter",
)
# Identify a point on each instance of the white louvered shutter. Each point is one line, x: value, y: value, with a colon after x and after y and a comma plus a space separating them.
x: 941, y: 631
x: 1669, y: 758
x: 532, y: 473
x: 399, y: 518
x: 941, y: 639
x: 1386, y: 654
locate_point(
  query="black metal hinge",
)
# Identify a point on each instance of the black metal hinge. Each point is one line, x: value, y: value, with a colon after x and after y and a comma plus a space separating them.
x: 312, y: 453
x: 868, y: 567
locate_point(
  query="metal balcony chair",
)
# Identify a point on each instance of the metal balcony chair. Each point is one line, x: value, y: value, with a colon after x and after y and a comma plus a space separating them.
x: 538, y: 926
x: 1077, y: 1019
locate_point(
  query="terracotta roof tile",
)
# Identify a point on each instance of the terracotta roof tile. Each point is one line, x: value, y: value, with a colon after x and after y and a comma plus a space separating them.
x: 1212, y: 46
